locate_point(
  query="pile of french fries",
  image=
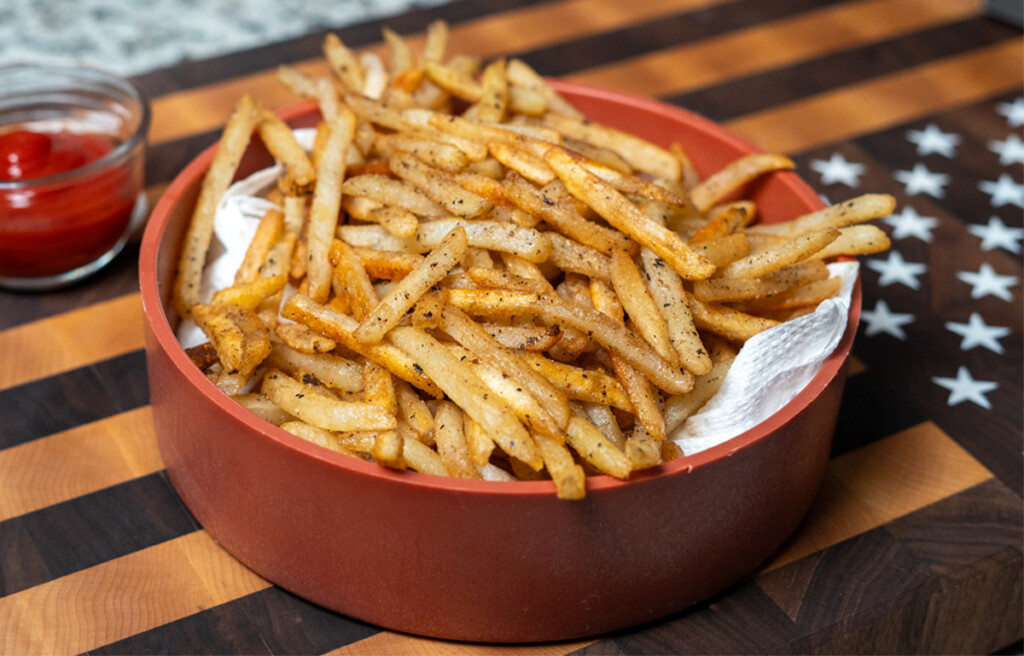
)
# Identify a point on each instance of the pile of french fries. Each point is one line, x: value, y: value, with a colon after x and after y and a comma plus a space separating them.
x: 465, y: 277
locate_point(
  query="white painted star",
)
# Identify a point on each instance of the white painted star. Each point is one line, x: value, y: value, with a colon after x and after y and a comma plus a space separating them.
x: 1003, y: 191
x: 997, y: 235
x: 933, y: 140
x: 896, y: 269
x: 1014, y: 112
x: 920, y: 180
x: 837, y: 169
x: 883, y: 320
x: 909, y: 223
x: 978, y: 333
x: 965, y: 388
x: 987, y: 282
x: 1010, y: 150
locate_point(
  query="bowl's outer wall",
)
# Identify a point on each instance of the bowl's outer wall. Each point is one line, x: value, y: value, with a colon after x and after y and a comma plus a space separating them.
x: 433, y: 559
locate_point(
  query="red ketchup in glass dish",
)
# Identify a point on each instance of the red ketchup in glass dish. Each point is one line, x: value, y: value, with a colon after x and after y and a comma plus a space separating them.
x: 73, y: 211
x: 72, y: 169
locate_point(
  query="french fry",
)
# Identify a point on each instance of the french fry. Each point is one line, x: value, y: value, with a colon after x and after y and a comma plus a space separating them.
x: 260, y: 405
x: 323, y: 212
x: 353, y: 279
x: 317, y: 436
x: 727, y: 322
x: 233, y: 143
x: 312, y: 407
x: 268, y: 232
x: 430, y: 271
x: 451, y: 441
x: 328, y: 369
x: 671, y: 300
x: 475, y: 338
x: 467, y: 390
x: 344, y: 63
x: 436, y: 185
x: 389, y: 191
x: 782, y: 255
x: 640, y: 306
x: 855, y: 240
x: 340, y: 327
x: 249, y: 295
x: 625, y: 216
x: 569, y: 478
x: 414, y: 411
x: 590, y: 385
x: 479, y: 443
x: 592, y: 445
x: 524, y: 337
x: 241, y: 339
x: 280, y: 141
x: 856, y: 210
x: 679, y: 407
x: 642, y: 155
x: 389, y: 265
x: 303, y: 339
x: 737, y: 173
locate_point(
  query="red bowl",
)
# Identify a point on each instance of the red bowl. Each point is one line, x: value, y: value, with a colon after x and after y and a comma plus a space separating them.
x: 476, y: 560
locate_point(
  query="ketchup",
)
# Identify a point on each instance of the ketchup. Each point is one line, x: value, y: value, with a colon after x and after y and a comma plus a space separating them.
x: 48, y: 227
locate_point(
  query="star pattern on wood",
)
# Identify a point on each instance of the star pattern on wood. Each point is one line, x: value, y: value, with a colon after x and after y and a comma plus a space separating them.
x: 882, y: 319
x: 986, y: 282
x: 1013, y: 111
x: 996, y: 234
x: 894, y: 269
x: 1004, y: 191
x: 922, y: 180
x: 978, y: 333
x: 908, y: 223
x: 933, y: 140
x: 965, y: 388
x: 1010, y: 150
x: 836, y: 169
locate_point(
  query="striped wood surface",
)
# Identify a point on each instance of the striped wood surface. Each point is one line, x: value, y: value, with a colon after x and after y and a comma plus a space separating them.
x: 914, y: 544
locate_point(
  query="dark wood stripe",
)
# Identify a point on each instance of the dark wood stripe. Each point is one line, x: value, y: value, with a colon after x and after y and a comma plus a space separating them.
x: 871, y: 411
x: 271, y: 621
x: 187, y: 75
x: 880, y: 574
x: 74, y: 398
x: 117, y: 279
x: 768, y: 88
x: 91, y: 529
x: 601, y: 49
x: 930, y: 350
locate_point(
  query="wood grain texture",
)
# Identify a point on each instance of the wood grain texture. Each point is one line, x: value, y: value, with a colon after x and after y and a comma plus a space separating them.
x: 862, y: 108
x: 71, y: 340
x: 771, y: 45
x: 135, y: 593
x: 78, y: 461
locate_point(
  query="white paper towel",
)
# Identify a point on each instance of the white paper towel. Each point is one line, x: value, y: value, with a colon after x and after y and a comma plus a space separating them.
x: 770, y: 369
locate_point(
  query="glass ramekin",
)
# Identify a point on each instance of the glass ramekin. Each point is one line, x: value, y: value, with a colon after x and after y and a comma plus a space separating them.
x: 57, y: 229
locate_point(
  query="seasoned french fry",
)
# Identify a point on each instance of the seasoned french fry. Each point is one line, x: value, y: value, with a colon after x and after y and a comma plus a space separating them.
x: 640, y: 306
x: 233, y: 143
x: 782, y: 255
x: 671, y: 300
x: 467, y: 390
x: 430, y: 271
x: 625, y: 216
x: 241, y: 339
x: 856, y: 210
x: 590, y: 443
x: 737, y: 173
x: 328, y: 369
x: 451, y: 441
x: 312, y: 407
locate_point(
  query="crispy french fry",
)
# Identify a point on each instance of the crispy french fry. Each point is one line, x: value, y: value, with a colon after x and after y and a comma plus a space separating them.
x: 856, y: 210
x: 737, y: 173
x: 328, y: 369
x: 782, y: 255
x: 311, y: 406
x: 430, y: 271
x: 233, y: 143
x: 592, y: 445
x: 671, y: 300
x: 469, y: 392
x: 451, y: 441
x: 241, y: 339
x: 625, y: 216
x: 640, y: 306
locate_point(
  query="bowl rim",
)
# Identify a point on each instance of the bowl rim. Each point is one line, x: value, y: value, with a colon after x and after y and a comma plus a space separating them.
x: 159, y: 323
x: 121, y: 152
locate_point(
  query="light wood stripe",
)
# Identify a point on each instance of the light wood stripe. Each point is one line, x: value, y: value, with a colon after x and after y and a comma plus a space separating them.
x: 206, y: 108
x: 869, y: 487
x: 773, y: 45
x: 75, y: 462
x: 67, y: 341
x: 387, y: 644
x: 874, y: 105
x: 123, y: 597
